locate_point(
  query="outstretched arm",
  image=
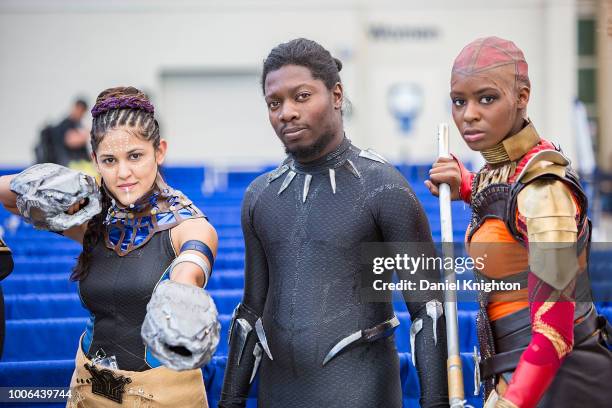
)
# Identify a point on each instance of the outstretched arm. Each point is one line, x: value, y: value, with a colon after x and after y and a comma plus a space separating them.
x: 181, y: 327
x: 7, y: 197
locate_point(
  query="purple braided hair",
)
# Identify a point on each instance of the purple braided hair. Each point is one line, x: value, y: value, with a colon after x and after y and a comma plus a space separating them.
x: 121, y: 102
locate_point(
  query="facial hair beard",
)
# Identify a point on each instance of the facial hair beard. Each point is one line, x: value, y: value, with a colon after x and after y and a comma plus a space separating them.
x: 308, y: 152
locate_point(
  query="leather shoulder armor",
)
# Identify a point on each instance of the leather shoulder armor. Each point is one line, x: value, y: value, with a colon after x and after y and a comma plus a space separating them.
x: 542, y: 169
x: 545, y: 162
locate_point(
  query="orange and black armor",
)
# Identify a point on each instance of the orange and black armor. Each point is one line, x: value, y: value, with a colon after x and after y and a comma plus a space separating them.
x: 538, y: 344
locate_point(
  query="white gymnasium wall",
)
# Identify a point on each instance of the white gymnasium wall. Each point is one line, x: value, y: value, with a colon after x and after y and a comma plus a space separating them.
x: 200, y: 61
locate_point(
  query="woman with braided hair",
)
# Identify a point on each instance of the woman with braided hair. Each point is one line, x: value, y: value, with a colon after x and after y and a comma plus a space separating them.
x: 147, y: 254
x: 543, y: 345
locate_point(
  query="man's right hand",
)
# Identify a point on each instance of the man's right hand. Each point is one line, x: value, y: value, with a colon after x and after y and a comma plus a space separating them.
x: 445, y: 170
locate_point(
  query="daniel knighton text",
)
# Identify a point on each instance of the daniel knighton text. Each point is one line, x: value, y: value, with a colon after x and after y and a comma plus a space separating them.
x: 424, y: 284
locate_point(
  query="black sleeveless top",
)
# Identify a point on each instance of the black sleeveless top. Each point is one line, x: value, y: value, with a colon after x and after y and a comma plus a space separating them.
x: 116, y: 292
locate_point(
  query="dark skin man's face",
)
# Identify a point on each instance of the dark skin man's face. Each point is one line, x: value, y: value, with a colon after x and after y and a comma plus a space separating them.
x: 488, y: 107
x: 304, y: 114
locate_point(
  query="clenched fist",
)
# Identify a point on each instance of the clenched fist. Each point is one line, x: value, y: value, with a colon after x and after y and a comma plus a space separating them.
x: 445, y: 170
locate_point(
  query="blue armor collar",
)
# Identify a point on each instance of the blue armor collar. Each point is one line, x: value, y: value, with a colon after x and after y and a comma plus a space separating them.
x: 129, y: 228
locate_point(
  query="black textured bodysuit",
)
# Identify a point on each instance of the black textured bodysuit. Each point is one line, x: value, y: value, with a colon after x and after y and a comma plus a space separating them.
x: 303, y: 226
x: 116, y: 292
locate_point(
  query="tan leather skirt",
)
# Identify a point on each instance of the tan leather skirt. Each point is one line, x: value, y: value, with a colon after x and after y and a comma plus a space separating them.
x: 161, y: 387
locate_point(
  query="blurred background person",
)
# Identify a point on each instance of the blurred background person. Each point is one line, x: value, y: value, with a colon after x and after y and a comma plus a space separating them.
x: 67, y: 142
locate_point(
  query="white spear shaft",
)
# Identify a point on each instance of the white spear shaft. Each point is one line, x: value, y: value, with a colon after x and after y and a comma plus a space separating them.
x: 455, y: 372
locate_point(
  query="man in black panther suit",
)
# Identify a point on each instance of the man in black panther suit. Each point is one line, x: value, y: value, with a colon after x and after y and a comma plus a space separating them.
x: 301, y: 322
